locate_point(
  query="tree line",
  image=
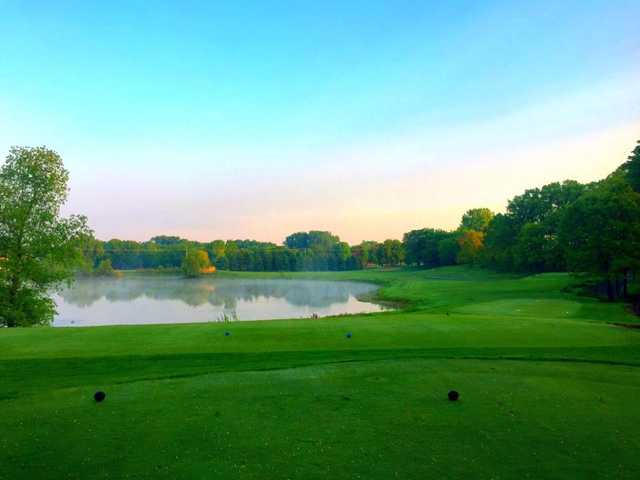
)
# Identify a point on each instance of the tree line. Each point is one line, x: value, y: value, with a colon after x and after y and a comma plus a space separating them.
x: 300, y: 251
x: 592, y: 230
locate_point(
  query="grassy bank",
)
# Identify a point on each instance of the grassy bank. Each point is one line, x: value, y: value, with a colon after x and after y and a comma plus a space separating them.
x: 549, y: 389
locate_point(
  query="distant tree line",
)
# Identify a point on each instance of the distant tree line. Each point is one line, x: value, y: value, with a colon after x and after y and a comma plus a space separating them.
x: 301, y: 251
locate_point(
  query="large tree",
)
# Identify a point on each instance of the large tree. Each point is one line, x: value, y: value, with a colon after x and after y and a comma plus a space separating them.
x: 38, y: 248
x: 476, y: 219
x: 526, y: 237
x: 421, y: 246
x: 297, y: 240
x: 601, y: 234
x: 539, y: 205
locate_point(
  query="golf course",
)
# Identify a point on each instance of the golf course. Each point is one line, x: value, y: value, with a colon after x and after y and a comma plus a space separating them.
x: 320, y: 240
x: 549, y: 385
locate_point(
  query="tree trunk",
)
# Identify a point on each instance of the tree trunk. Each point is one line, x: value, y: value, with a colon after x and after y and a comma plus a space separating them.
x: 13, y: 297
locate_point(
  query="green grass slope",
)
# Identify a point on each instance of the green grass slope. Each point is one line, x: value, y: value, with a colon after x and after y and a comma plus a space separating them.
x: 549, y: 389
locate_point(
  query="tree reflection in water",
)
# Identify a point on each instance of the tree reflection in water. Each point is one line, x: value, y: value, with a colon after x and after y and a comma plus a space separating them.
x: 224, y: 294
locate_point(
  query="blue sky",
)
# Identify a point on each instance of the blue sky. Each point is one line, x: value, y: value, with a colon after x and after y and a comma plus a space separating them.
x: 255, y: 119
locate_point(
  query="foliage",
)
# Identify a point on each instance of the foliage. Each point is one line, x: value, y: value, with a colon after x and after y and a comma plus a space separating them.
x: 537, y: 249
x: 539, y: 205
x: 315, y: 240
x: 194, y: 262
x: 391, y: 253
x: 303, y: 251
x: 631, y: 168
x: 600, y: 233
x: 166, y: 240
x: 422, y: 247
x: 476, y: 219
x: 471, y: 244
x: 525, y: 238
x: 448, y: 249
x: 500, y: 242
x: 39, y: 248
x: 364, y: 254
x: 105, y: 269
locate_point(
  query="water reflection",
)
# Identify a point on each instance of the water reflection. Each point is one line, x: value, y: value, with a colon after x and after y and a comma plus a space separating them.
x: 168, y: 299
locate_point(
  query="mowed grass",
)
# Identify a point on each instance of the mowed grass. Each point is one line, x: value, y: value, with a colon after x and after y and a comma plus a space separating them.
x: 549, y: 389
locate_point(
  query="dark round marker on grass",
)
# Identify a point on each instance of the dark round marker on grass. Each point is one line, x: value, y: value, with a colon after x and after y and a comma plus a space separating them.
x: 99, y: 396
x: 348, y: 335
x: 227, y: 334
x: 453, y: 395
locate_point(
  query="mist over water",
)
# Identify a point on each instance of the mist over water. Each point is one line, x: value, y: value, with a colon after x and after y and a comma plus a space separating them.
x: 147, y: 299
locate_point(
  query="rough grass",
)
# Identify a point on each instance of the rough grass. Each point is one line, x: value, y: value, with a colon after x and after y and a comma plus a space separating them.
x: 549, y: 389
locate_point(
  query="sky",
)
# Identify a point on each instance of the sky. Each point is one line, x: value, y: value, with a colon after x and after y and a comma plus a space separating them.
x: 240, y: 119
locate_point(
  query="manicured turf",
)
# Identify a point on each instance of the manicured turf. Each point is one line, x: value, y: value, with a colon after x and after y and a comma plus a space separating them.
x: 549, y: 389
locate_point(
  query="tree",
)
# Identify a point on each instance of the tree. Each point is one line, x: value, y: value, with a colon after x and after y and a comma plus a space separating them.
x: 316, y: 240
x: 600, y: 233
x: 471, y: 243
x: 322, y: 242
x: 526, y: 237
x: 341, y: 252
x: 499, y: 242
x: 631, y: 168
x: 297, y: 240
x: 217, y: 249
x: 195, y: 261
x: 476, y: 219
x: 167, y: 240
x: 369, y: 252
x: 393, y: 252
x: 39, y: 248
x: 448, y: 250
x: 541, y: 204
x: 421, y: 246
x: 105, y: 269
x: 92, y: 253
x: 380, y: 254
x: 536, y: 250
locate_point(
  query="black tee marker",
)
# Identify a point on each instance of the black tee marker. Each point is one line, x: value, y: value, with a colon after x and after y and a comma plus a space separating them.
x: 348, y: 335
x: 453, y: 395
x: 99, y: 396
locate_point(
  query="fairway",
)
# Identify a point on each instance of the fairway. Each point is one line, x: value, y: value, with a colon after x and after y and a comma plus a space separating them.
x: 549, y: 389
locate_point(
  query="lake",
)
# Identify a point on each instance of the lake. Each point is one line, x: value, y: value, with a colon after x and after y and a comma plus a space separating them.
x: 147, y: 299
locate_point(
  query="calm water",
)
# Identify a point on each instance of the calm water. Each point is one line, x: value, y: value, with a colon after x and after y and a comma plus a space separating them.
x: 143, y: 299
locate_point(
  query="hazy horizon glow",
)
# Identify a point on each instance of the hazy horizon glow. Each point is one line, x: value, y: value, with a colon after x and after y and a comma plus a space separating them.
x: 367, y: 119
